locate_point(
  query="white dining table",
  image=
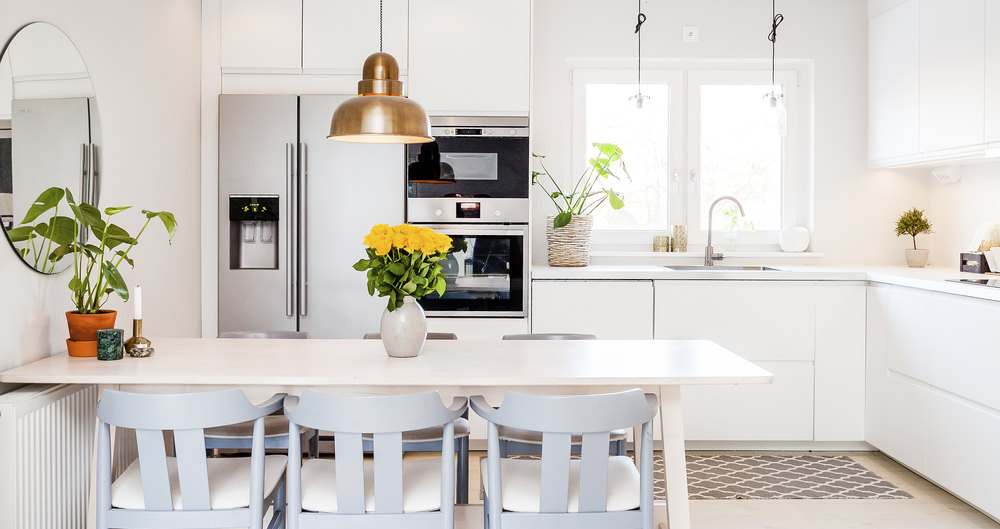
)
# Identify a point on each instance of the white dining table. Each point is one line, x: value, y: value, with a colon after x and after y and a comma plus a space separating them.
x: 458, y: 367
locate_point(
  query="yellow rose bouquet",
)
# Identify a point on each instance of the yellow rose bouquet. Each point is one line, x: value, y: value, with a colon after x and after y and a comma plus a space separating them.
x: 403, y: 261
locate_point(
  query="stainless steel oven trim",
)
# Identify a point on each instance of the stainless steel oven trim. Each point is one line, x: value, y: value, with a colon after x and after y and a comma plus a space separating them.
x: 440, y: 211
x: 485, y: 229
x: 479, y: 121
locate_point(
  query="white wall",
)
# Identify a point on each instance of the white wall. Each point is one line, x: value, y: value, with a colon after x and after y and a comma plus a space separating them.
x: 853, y: 209
x: 959, y: 210
x: 144, y: 59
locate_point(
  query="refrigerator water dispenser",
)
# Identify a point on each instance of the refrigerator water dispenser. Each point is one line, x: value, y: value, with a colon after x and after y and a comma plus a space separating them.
x: 253, y: 232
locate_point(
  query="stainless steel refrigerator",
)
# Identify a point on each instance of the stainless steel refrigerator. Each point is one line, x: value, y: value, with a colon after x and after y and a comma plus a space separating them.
x: 294, y: 208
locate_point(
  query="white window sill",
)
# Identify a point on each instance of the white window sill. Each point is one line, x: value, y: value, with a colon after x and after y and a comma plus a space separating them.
x: 729, y: 257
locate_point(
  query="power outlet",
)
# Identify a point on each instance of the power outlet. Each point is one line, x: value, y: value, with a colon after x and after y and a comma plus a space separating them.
x: 690, y: 33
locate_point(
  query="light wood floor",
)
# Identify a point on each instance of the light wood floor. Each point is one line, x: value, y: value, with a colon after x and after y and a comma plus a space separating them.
x: 930, y: 507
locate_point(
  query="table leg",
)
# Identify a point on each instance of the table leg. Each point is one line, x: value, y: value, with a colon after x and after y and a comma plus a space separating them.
x: 677, y: 514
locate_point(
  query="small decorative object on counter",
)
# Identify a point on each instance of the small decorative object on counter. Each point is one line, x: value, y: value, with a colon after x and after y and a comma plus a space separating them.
x: 568, y: 232
x: 661, y: 243
x: 137, y: 346
x: 794, y: 239
x: 975, y: 263
x: 404, y: 264
x: 913, y: 223
x: 680, y: 238
x: 109, y: 344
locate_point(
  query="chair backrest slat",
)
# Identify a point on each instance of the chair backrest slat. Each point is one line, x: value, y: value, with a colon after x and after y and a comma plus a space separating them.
x: 594, y: 472
x: 549, y: 336
x: 349, y: 462
x: 153, y: 468
x: 388, y: 448
x: 192, y: 469
x: 573, y: 413
x: 555, y: 472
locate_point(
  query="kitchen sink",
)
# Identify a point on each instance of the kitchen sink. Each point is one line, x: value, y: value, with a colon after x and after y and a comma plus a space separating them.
x: 722, y: 268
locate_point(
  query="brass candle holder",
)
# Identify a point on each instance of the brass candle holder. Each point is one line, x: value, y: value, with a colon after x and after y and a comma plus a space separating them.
x: 137, y: 346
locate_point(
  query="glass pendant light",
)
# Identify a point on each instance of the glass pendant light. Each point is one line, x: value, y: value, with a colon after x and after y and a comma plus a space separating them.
x: 638, y: 97
x: 380, y: 113
x: 775, y: 115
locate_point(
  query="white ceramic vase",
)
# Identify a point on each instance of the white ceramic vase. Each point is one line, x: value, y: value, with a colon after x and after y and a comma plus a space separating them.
x: 404, y: 329
x: 916, y: 258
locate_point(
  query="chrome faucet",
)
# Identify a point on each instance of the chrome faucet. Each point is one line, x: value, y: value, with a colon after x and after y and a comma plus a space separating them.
x: 710, y: 255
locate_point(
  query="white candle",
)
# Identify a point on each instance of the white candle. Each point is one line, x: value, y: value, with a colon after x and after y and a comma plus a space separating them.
x: 138, y: 302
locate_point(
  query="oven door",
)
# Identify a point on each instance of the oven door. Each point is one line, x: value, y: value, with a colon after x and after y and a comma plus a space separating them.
x: 486, y: 273
x: 469, y: 167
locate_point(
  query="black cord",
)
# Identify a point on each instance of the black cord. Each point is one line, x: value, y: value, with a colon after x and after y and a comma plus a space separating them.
x: 380, y: 26
x: 640, y: 20
x: 776, y: 20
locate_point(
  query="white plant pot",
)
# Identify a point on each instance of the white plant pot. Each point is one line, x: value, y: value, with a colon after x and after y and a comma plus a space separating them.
x: 404, y: 329
x: 916, y: 258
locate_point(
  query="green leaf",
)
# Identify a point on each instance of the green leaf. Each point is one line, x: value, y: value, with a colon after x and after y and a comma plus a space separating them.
x: 615, y: 200
x: 409, y: 287
x: 59, y: 253
x: 439, y: 286
x: 397, y: 268
x: 75, y: 284
x: 63, y: 230
x: 114, y: 236
x: 601, y: 166
x: 89, y: 215
x: 115, y: 281
x: 128, y: 260
x: 562, y: 219
x: 115, y: 210
x: 371, y: 287
x: 361, y: 265
x: 45, y: 201
x: 22, y: 233
x: 537, y: 155
x: 612, y: 151
x: 168, y: 220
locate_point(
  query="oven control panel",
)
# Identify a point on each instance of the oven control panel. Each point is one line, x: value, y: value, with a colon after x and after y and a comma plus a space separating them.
x: 462, y: 210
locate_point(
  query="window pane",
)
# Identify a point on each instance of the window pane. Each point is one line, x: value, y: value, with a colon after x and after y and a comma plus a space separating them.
x: 740, y: 156
x: 642, y: 136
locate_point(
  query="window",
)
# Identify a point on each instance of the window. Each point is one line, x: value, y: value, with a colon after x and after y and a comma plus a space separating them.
x: 702, y: 135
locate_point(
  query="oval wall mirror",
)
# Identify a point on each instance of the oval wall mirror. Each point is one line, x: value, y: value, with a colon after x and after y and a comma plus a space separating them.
x: 49, y: 137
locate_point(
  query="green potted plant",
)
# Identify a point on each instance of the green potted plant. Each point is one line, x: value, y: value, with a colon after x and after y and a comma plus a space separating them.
x: 913, y: 223
x: 96, y: 259
x: 568, y: 231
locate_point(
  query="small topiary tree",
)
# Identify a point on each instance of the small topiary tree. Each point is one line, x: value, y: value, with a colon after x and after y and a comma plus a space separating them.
x: 912, y: 223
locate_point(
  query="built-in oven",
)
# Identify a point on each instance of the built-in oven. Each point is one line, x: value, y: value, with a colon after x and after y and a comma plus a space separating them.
x: 477, y: 170
x: 487, y: 272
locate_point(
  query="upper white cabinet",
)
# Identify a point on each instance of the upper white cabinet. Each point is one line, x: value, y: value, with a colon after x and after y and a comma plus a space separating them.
x: 470, y: 57
x: 932, y: 73
x: 261, y: 33
x: 340, y: 34
x: 894, y: 82
x: 952, y: 46
x: 609, y: 309
x: 993, y: 71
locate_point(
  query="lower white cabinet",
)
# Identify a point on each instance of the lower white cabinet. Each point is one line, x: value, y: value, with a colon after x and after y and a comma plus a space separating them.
x: 932, y: 402
x: 609, y: 309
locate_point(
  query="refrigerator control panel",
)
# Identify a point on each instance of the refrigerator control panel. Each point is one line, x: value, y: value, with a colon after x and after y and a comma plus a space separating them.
x: 253, y: 208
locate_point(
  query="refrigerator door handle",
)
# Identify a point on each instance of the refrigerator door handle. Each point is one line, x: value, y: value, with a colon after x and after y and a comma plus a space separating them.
x: 95, y: 177
x: 84, y: 184
x: 289, y: 222
x: 303, y: 217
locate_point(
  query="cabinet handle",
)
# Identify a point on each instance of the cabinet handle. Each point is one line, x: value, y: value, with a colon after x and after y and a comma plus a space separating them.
x: 290, y: 219
x: 304, y: 229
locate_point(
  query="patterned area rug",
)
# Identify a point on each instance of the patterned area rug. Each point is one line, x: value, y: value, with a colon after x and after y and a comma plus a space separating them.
x: 778, y: 477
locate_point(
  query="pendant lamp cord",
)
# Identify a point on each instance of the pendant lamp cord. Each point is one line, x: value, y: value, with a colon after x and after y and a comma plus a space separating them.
x: 640, y: 20
x: 776, y: 20
x: 380, y: 26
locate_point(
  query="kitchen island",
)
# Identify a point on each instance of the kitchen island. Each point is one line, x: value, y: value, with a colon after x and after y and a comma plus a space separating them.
x: 452, y: 367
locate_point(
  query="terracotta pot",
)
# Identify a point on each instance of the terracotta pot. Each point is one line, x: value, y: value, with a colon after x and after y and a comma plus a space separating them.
x: 83, y: 330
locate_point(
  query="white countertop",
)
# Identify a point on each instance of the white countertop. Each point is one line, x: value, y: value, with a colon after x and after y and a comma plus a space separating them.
x: 444, y: 363
x: 931, y: 278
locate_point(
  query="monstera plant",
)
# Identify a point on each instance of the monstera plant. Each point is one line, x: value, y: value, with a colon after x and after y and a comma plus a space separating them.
x: 98, y: 247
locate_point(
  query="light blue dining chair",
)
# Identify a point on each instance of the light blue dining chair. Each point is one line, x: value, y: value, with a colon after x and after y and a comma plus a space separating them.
x: 514, y: 441
x: 386, y: 491
x: 596, y: 490
x: 188, y: 489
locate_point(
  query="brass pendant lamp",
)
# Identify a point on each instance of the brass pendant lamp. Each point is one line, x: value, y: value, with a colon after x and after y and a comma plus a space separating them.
x: 380, y: 113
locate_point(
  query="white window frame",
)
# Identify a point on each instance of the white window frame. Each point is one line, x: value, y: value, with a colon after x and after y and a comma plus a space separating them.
x: 684, y: 77
x: 674, y: 79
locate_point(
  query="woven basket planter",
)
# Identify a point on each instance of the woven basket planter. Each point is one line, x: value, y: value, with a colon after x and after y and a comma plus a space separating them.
x: 570, y: 244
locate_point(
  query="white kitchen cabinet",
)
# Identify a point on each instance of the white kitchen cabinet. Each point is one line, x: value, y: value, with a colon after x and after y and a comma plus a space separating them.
x: 470, y: 57
x: 952, y: 45
x: 894, y: 83
x: 839, y: 408
x: 261, y: 34
x: 609, y: 309
x: 340, y: 34
x: 962, y: 347
x: 993, y: 72
x: 908, y: 327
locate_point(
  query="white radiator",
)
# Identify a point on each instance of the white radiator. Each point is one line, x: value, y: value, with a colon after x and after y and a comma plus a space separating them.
x: 46, y: 449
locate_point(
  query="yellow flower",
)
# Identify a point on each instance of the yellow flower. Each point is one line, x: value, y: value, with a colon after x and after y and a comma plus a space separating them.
x: 383, y: 238
x: 379, y: 239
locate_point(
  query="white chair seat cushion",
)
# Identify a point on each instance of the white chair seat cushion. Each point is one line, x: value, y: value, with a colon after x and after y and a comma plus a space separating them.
x: 421, y: 485
x: 228, y: 482
x: 532, y: 437
x: 521, y: 484
x: 274, y: 426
